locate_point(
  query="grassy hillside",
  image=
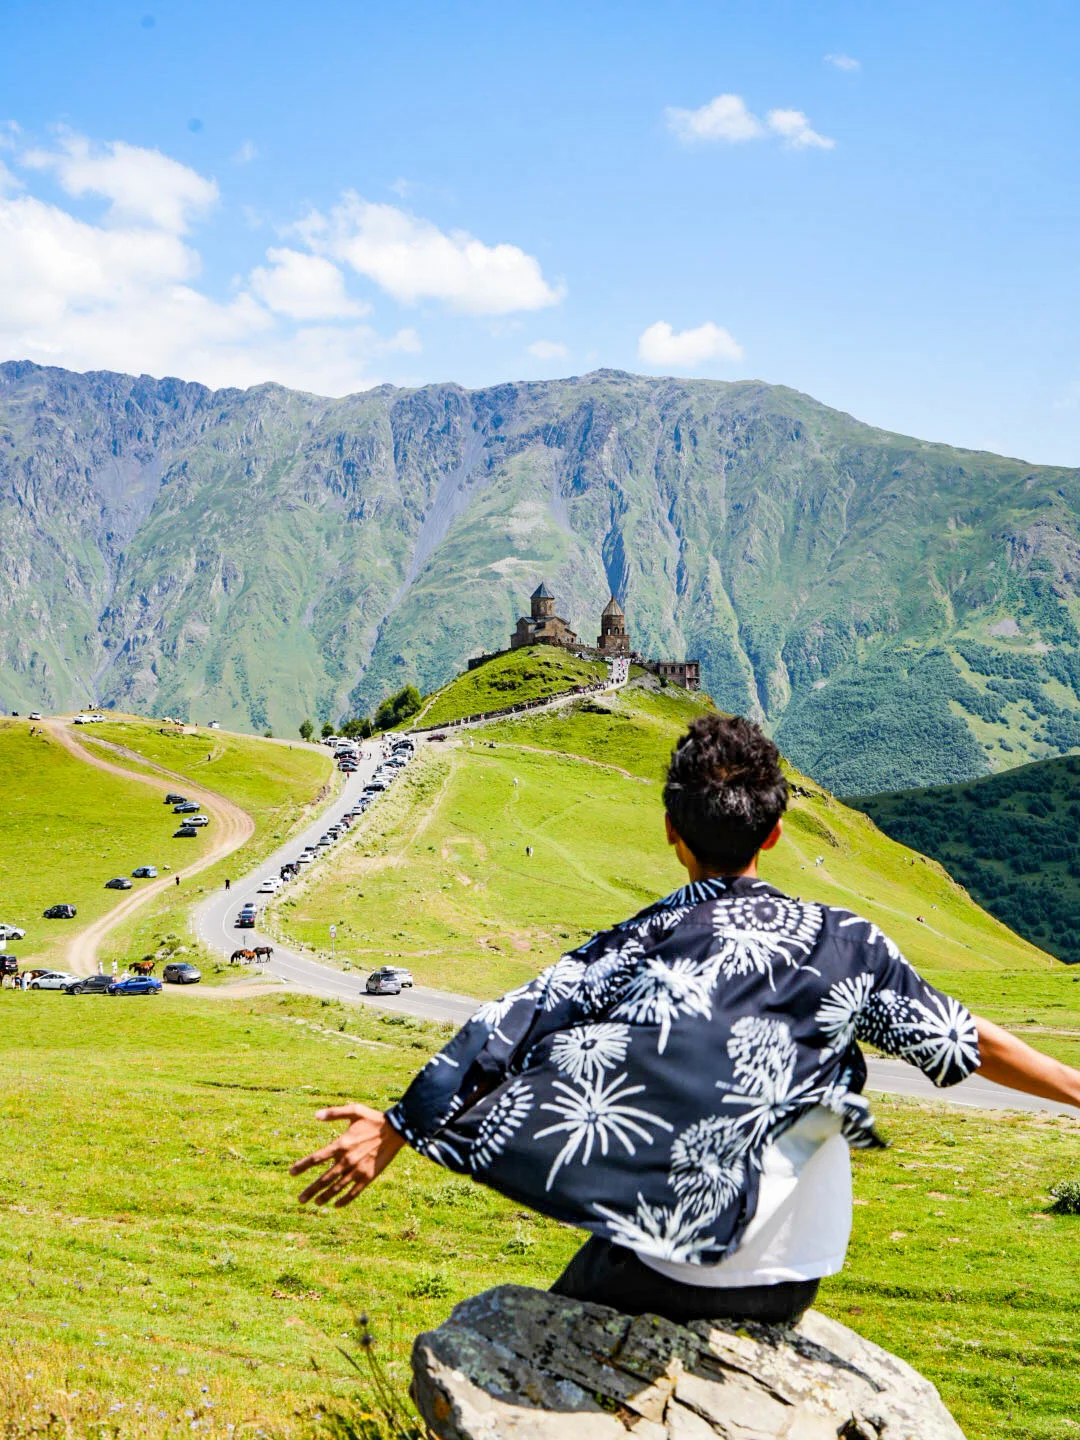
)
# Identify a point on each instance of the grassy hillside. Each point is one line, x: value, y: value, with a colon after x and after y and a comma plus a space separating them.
x: 275, y: 783
x: 438, y: 875
x: 534, y: 673
x: 66, y: 828
x: 1011, y: 839
x: 151, y: 1288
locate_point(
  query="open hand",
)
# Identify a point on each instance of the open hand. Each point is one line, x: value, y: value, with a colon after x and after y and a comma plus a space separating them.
x: 354, y: 1159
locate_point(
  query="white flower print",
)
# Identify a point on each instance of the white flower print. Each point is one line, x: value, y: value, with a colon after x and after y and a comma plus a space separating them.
x: 662, y: 990
x: 838, y: 1014
x: 874, y: 936
x: 506, y: 1116
x: 493, y: 1012
x: 605, y: 980
x: 441, y: 1151
x: 707, y: 1164
x: 753, y: 934
x: 593, y: 1116
x: 587, y: 1051
x: 942, y: 1040
x: 661, y: 922
x: 663, y: 1231
x: 764, y: 1057
x: 559, y: 981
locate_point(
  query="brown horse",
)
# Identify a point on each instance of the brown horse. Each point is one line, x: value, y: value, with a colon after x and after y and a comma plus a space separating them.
x: 263, y: 953
x: 242, y: 957
x: 142, y: 967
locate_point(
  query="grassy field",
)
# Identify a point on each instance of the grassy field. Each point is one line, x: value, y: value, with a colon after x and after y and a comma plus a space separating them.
x: 438, y: 877
x: 66, y: 828
x: 275, y: 783
x: 154, y: 1270
x: 534, y: 673
x: 1012, y: 840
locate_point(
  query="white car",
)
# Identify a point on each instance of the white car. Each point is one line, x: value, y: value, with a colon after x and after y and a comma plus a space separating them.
x: 11, y: 932
x: 305, y: 859
x: 35, y: 714
x: 199, y: 820
x: 270, y: 886
x: 53, y: 980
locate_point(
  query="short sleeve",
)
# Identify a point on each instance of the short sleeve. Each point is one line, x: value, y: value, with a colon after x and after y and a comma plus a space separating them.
x: 907, y: 1017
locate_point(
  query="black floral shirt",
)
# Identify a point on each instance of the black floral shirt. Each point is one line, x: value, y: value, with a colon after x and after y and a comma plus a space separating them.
x: 631, y: 1088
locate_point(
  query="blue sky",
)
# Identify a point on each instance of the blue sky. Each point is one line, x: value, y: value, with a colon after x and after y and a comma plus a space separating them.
x: 877, y: 204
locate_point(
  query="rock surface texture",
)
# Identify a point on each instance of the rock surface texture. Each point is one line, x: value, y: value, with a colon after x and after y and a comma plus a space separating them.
x: 532, y: 1366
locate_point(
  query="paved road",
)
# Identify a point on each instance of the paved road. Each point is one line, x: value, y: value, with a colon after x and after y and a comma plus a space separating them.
x: 215, y: 922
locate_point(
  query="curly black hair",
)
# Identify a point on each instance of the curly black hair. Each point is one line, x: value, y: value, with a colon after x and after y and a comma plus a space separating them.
x: 725, y: 790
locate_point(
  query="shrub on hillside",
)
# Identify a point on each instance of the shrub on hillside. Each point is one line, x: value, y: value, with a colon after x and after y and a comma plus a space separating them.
x: 396, y: 708
x: 1065, y: 1197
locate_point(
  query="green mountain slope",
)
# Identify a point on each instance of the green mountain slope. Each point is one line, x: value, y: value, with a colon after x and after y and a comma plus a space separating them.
x: 439, y: 876
x: 1011, y: 839
x: 900, y: 613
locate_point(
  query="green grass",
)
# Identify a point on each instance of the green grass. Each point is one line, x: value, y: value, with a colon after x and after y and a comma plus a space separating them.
x: 1012, y: 840
x: 276, y: 784
x: 533, y: 673
x: 66, y: 828
x: 437, y: 876
x: 154, y: 1268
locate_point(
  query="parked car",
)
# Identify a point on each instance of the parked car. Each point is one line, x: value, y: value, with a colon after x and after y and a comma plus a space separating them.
x: 374, y: 786
x: 307, y: 857
x: 214, y: 725
x: 90, y: 985
x: 270, y: 886
x: 180, y: 972
x: 52, y: 980
x: 59, y: 912
x: 11, y: 932
x: 35, y: 714
x: 119, y: 882
x: 173, y: 799
x: 199, y: 820
x: 135, y: 985
x: 383, y: 982
x: 186, y: 832
x: 145, y: 872
x: 186, y: 807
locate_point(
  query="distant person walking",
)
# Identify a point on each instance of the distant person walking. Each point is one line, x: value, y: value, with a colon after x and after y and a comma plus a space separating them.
x: 178, y: 879
x: 228, y: 883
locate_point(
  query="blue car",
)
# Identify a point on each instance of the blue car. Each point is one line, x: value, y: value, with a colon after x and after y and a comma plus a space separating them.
x: 135, y: 985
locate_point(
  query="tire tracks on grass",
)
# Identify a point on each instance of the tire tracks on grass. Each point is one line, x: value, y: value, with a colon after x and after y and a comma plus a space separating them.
x: 233, y: 827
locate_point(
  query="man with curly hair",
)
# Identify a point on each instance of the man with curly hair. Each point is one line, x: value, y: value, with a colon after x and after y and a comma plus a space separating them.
x: 686, y: 1085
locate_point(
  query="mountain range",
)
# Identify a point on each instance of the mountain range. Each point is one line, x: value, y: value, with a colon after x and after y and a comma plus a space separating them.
x: 900, y: 613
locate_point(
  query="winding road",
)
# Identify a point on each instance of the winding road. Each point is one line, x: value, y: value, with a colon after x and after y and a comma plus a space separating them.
x: 215, y: 924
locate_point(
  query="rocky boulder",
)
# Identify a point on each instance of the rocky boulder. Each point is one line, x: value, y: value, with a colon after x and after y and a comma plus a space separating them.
x: 527, y: 1365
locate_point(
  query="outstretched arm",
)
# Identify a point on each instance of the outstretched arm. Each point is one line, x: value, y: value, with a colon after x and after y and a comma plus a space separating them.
x: 358, y: 1156
x: 1008, y: 1061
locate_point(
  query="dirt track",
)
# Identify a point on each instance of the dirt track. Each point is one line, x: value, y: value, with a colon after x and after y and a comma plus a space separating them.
x: 232, y: 826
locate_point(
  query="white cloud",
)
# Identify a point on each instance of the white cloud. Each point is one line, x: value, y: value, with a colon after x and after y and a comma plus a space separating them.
x: 727, y: 118
x: 304, y: 287
x: 123, y: 294
x: 794, y: 129
x: 724, y: 118
x: 840, y: 61
x: 246, y: 153
x: 664, y: 347
x: 143, y: 186
x: 413, y: 260
x: 548, y: 350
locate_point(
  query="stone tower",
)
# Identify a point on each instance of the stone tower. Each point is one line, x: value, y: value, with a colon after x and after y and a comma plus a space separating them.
x: 613, y: 639
x: 543, y: 603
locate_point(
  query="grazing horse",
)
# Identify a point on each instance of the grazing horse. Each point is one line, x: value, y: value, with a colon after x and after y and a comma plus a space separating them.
x: 242, y: 957
x: 142, y: 967
x: 263, y: 953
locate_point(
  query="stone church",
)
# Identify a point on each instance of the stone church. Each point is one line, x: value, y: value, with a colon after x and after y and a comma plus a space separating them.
x: 542, y: 626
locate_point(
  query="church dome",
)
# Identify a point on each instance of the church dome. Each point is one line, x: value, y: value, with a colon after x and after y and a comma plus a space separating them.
x: 612, y: 607
x: 542, y: 592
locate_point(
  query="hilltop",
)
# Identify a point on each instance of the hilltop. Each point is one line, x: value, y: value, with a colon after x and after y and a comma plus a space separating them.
x: 1011, y: 839
x: 900, y: 613
x: 439, y: 876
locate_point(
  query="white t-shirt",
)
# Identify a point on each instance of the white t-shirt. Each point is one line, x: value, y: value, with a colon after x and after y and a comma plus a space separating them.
x: 802, y: 1224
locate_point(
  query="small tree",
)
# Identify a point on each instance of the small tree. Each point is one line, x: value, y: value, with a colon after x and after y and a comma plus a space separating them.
x: 396, y: 708
x: 358, y: 728
x: 307, y: 729
x: 327, y: 730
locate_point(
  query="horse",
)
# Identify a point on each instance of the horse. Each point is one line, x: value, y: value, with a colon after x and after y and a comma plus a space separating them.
x: 142, y: 967
x: 263, y: 953
x: 242, y: 957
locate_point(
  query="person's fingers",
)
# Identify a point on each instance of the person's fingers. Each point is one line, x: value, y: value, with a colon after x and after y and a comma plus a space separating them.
x: 318, y: 1184
x: 336, y: 1186
x: 319, y: 1157
x: 355, y: 1111
x: 350, y: 1195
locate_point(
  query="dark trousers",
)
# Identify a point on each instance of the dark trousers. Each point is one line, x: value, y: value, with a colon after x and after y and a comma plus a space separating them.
x: 611, y: 1275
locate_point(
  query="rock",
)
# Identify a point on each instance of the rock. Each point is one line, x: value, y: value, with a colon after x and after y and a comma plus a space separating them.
x: 526, y: 1365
